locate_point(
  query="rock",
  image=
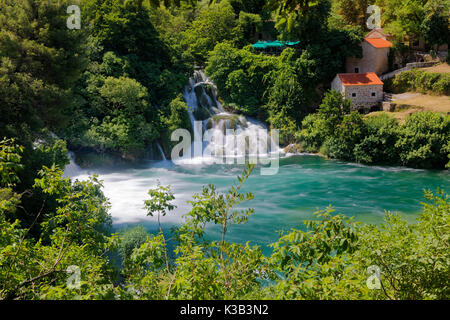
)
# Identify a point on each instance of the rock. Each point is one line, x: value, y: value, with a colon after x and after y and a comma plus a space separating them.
x: 293, y: 148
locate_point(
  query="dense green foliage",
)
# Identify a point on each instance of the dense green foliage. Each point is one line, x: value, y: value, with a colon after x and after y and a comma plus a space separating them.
x: 40, y: 61
x: 422, y: 81
x: 211, y: 27
x: 327, y: 259
x: 421, y: 142
x: 133, y: 75
x: 406, y: 20
x: 107, y: 87
x: 282, y: 90
x: 434, y: 28
x: 113, y: 86
x: 131, y: 239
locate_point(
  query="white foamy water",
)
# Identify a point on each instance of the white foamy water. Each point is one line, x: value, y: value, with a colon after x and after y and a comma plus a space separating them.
x: 222, y: 134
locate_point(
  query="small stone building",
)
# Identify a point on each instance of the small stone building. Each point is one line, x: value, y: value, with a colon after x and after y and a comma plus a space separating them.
x: 365, y: 90
x: 375, y: 58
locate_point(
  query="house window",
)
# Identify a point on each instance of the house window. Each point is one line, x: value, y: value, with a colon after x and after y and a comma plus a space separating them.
x: 357, y: 70
x: 353, y: 94
x: 374, y: 94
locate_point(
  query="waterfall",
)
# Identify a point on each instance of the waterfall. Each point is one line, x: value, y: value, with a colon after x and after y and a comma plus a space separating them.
x: 72, y: 169
x: 250, y: 136
x: 161, y: 151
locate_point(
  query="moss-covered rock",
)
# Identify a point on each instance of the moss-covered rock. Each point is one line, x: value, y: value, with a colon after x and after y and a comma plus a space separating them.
x: 293, y: 148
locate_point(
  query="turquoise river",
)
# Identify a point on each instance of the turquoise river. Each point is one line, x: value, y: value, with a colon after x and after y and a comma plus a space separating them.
x: 304, y: 184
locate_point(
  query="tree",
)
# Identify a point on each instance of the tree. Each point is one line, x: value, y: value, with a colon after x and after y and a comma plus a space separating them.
x: 160, y: 201
x: 292, y: 5
x: 296, y: 19
x: 333, y: 109
x: 422, y: 140
x: 403, y: 18
x: 40, y: 61
x: 122, y: 122
x: 241, y: 76
x: 434, y: 29
x: 354, y: 12
x: 213, y: 25
x: 76, y: 233
x: 347, y: 135
x: 378, y: 145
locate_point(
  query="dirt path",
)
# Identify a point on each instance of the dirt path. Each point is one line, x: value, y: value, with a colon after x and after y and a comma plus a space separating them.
x: 440, y: 68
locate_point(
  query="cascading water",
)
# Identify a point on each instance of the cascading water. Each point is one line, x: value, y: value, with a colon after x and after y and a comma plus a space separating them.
x: 72, y: 169
x: 158, y: 145
x: 251, y: 137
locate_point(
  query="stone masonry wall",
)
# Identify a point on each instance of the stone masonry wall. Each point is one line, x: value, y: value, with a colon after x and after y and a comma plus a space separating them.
x: 336, y: 85
x: 364, y: 98
x: 382, y: 61
x: 366, y: 64
x: 373, y: 60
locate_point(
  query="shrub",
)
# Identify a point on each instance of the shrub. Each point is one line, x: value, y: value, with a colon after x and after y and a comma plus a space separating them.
x: 348, y: 134
x: 131, y: 239
x: 378, y: 146
x: 313, y: 133
x: 423, y: 140
x: 178, y: 118
x: 422, y: 81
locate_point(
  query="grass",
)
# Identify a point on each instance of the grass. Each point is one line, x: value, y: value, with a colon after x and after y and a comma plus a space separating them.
x: 427, y: 102
x: 410, y: 102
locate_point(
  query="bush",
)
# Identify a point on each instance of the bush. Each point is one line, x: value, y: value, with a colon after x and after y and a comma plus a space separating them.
x: 120, y: 134
x: 313, y: 133
x: 317, y: 127
x: 177, y: 118
x: 330, y: 260
x: 348, y: 134
x: 378, y: 145
x: 423, y: 140
x: 422, y: 81
x: 131, y: 239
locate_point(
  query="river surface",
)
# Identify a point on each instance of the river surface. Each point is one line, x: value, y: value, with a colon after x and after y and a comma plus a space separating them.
x: 303, y: 185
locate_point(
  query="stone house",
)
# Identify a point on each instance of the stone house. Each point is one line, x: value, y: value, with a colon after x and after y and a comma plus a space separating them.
x: 375, y: 50
x: 365, y: 90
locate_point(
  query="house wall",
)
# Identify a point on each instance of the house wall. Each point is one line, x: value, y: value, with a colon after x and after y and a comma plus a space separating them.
x: 366, y: 64
x: 382, y: 60
x: 336, y: 85
x: 364, y: 99
x: 373, y: 60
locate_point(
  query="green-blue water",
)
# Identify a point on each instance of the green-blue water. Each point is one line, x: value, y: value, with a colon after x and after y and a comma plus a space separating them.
x: 303, y: 185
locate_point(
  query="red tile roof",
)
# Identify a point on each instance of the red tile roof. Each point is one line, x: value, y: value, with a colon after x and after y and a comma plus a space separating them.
x: 379, y: 42
x: 359, y: 79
